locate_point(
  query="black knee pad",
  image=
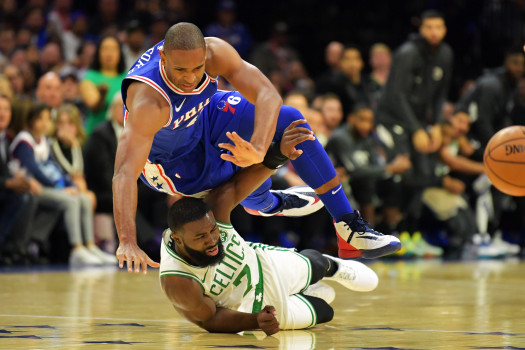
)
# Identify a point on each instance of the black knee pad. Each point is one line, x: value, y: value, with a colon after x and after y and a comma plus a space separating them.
x: 324, y: 312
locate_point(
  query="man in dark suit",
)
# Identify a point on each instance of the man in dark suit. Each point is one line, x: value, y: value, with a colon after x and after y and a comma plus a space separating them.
x: 99, y: 161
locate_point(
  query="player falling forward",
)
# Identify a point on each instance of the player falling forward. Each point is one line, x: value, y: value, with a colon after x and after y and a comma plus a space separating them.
x: 224, y: 284
x: 176, y: 138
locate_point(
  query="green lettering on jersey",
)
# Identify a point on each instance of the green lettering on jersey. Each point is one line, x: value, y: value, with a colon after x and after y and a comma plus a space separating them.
x: 217, y: 279
x: 225, y: 275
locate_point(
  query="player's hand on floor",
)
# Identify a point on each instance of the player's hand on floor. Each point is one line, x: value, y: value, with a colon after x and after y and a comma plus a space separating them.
x: 267, y: 321
x: 134, y: 257
x: 293, y: 136
x: 243, y: 152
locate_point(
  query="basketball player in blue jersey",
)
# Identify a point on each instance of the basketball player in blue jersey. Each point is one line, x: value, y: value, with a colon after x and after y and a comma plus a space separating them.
x: 178, y: 139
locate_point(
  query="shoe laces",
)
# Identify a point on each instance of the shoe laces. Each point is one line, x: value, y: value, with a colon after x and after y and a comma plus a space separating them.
x: 291, y: 201
x: 361, y: 226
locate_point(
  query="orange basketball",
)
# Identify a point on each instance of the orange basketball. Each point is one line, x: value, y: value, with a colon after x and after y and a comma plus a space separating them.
x: 504, y: 160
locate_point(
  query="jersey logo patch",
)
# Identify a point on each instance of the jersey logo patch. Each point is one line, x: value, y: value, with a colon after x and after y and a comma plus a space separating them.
x: 177, y: 109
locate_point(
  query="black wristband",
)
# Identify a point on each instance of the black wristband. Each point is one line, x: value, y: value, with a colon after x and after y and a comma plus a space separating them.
x: 274, y: 159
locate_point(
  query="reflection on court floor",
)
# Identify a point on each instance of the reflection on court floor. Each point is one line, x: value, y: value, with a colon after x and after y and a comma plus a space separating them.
x: 418, y: 305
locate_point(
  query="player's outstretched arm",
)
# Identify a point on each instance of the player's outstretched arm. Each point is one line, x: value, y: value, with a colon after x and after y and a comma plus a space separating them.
x: 254, y: 86
x: 224, y: 198
x: 147, y: 114
x: 188, y: 299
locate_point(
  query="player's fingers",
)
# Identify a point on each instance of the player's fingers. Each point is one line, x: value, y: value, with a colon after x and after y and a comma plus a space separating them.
x: 152, y: 263
x: 120, y: 261
x: 295, y: 123
x: 239, y: 140
x: 299, y: 130
x: 144, y: 267
x: 301, y: 138
x: 295, y: 154
x: 129, y: 263
x: 136, y: 264
x: 270, y: 309
x: 229, y: 158
x: 227, y: 146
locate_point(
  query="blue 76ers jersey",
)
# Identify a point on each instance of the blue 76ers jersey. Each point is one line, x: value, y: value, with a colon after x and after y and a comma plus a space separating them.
x: 183, y: 134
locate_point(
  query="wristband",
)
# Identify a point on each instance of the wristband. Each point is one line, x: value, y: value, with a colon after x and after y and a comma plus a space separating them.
x: 274, y: 159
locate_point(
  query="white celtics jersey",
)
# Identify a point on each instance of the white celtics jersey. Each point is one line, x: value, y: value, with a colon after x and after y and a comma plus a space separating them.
x: 235, y: 283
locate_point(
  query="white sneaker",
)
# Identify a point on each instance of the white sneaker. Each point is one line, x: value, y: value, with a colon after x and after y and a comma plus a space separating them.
x: 295, y: 201
x: 508, y: 248
x: 321, y: 290
x: 486, y: 249
x: 354, y: 230
x: 354, y: 275
x: 81, y: 257
x: 106, y: 258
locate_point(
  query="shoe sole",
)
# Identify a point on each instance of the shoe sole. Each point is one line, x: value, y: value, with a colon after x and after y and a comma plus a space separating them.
x: 392, y: 247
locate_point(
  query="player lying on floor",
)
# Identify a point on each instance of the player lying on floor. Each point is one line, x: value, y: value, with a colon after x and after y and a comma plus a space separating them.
x: 224, y: 284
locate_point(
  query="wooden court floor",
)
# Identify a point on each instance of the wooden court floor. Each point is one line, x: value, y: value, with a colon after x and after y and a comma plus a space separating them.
x: 418, y: 305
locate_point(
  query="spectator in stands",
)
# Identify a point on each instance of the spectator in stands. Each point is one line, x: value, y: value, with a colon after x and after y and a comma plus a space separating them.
x: 102, y: 81
x: 49, y: 91
x: 380, y: 63
x: 349, y: 85
x: 489, y: 104
x: 73, y: 37
x: 107, y: 19
x: 71, y: 89
x: 353, y: 147
x: 34, y: 21
x: 135, y: 42
x: 15, y: 196
x: 229, y: 29
x: 50, y: 59
x: 418, y: 83
x: 31, y: 149
x: 411, y: 104
x: 332, y: 56
x: 517, y: 115
x: 275, y: 56
x: 85, y: 58
x: 67, y: 140
x: 60, y: 15
x: 158, y: 28
x: 331, y: 109
x: 14, y: 75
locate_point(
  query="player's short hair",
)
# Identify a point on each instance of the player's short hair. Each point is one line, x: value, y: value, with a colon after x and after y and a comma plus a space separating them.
x: 431, y: 14
x: 184, y: 36
x: 185, y: 210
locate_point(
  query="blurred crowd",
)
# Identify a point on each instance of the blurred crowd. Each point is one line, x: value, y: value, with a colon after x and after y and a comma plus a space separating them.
x: 409, y: 156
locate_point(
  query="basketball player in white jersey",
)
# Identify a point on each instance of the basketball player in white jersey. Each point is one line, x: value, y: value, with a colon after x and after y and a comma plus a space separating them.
x: 224, y: 284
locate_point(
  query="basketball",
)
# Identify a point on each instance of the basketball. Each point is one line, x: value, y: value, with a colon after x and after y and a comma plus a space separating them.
x: 504, y: 160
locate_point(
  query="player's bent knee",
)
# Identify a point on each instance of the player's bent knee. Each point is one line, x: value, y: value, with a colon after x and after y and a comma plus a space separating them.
x: 318, y: 264
x: 325, y: 313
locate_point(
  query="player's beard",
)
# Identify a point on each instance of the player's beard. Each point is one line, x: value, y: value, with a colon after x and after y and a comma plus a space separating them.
x: 204, y: 260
